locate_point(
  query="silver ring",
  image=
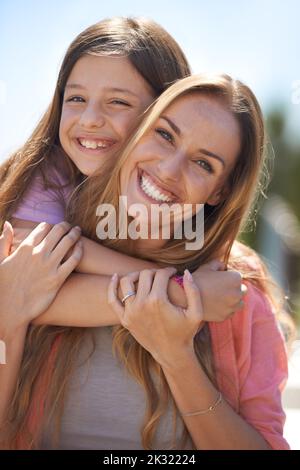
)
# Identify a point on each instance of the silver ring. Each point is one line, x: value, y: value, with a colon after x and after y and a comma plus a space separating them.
x: 127, y: 296
x: 244, y: 289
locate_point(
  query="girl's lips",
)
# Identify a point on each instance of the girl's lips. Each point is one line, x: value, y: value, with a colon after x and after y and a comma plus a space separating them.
x: 98, y: 150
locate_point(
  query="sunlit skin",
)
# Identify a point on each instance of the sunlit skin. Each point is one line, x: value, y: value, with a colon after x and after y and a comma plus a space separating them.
x: 103, y: 100
x: 187, y: 155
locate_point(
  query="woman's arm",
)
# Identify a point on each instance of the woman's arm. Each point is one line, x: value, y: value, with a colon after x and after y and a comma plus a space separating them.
x: 168, y: 333
x: 222, y: 428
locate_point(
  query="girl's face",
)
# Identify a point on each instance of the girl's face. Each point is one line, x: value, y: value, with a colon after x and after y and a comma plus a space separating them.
x: 104, y: 96
x: 186, y: 156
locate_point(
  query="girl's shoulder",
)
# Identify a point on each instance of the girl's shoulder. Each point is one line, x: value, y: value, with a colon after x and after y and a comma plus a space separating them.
x: 45, y: 198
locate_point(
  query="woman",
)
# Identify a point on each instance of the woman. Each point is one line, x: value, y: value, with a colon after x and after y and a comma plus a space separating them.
x: 202, y: 142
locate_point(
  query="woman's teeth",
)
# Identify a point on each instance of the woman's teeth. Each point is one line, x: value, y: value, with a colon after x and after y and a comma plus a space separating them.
x: 92, y: 144
x: 152, y: 191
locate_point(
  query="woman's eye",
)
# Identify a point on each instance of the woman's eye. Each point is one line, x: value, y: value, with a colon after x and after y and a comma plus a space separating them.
x: 205, y: 165
x: 165, y: 135
x: 75, y: 99
x: 120, y: 102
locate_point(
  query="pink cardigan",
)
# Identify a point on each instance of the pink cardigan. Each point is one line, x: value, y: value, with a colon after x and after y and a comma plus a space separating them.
x: 251, y: 366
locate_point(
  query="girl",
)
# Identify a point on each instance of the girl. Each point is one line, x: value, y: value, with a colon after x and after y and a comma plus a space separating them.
x: 202, y: 142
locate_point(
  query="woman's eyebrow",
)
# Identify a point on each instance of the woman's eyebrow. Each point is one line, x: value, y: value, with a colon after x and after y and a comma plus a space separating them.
x: 172, y: 125
x: 213, y: 155
x: 208, y: 153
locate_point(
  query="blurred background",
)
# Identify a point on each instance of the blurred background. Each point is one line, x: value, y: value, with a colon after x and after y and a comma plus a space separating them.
x: 257, y: 42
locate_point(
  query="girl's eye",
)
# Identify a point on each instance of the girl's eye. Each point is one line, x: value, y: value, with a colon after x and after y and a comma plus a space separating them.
x: 165, y: 135
x: 205, y: 165
x: 120, y: 102
x: 75, y: 99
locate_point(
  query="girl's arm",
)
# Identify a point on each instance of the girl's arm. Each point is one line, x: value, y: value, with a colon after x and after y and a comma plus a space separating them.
x: 96, y: 259
x: 82, y: 301
x: 220, y: 290
x: 27, y: 289
x: 82, y: 290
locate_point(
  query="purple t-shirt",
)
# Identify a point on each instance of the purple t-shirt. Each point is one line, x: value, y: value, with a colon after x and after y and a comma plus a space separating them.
x: 40, y: 204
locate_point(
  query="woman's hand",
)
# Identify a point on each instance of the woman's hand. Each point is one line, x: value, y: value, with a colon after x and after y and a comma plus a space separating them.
x: 221, y: 291
x: 31, y: 276
x: 161, y: 328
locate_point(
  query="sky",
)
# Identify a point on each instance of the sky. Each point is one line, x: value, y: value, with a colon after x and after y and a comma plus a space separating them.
x: 256, y: 41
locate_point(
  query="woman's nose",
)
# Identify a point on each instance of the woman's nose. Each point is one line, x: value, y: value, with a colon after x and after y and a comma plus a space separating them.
x: 170, y: 167
x: 92, y: 116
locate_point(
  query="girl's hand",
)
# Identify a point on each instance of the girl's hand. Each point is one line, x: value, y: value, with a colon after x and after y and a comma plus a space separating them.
x: 164, y: 330
x: 31, y: 276
x: 221, y: 291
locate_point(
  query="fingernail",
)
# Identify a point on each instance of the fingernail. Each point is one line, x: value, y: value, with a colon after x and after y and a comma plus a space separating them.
x: 114, y: 277
x: 5, y: 226
x: 188, y: 276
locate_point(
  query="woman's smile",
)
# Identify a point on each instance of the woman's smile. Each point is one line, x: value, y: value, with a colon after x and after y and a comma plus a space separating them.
x: 154, y: 191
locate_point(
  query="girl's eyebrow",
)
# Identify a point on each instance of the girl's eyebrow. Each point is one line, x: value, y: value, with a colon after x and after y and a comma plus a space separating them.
x: 208, y: 153
x: 118, y: 90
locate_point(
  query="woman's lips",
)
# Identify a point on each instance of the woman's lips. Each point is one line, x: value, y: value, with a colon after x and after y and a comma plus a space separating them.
x: 162, y: 191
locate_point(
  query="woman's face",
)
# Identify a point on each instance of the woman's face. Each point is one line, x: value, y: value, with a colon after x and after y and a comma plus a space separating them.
x: 104, y: 96
x: 186, y: 156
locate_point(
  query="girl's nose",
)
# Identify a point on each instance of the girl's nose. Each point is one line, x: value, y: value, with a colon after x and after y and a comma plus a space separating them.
x: 92, y: 116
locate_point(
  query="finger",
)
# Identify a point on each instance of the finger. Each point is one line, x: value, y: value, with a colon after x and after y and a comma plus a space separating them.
x: 127, y: 287
x: 161, y: 281
x: 112, y: 297
x: 145, y: 283
x: 66, y: 268
x: 6, y: 240
x: 55, y: 235
x: 66, y: 243
x: 36, y: 235
x: 216, y: 265
x: 192, y: 292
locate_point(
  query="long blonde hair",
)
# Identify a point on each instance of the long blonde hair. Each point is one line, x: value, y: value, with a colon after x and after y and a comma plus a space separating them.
x: 222, y: 224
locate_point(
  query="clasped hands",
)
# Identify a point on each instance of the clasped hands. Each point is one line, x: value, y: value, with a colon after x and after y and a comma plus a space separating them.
x: 165, y: 330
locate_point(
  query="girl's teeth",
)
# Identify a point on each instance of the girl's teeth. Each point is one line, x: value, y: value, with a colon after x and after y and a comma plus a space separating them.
x: 152, y: 191
x: 89, y: 144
